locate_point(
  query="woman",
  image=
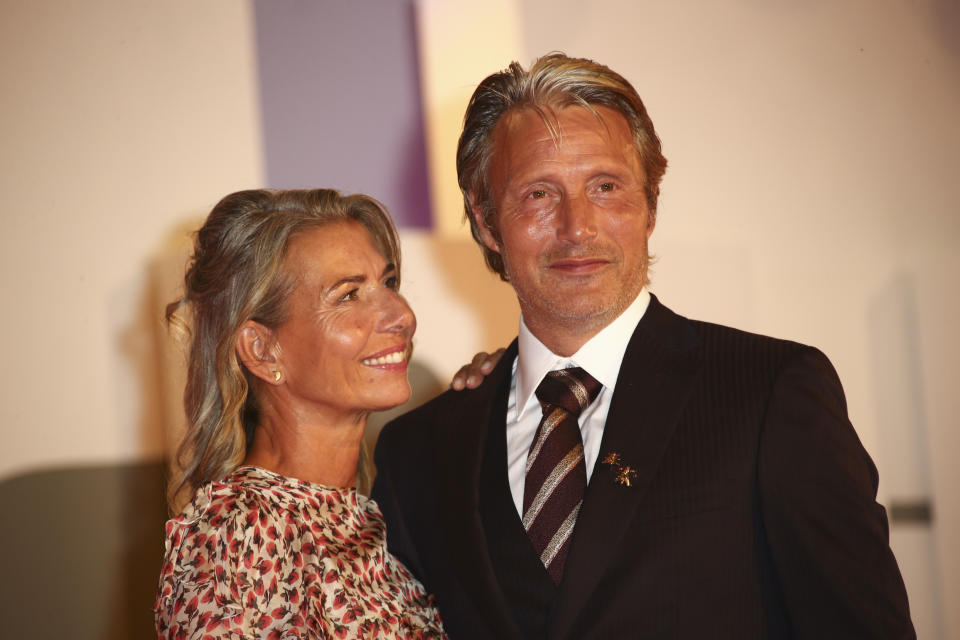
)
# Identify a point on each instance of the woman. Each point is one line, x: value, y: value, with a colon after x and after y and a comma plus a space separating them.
x: 298, y: 332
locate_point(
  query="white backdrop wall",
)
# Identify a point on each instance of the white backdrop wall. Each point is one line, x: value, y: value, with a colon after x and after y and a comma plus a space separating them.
x: 811, y: 194
x: 121, y: 120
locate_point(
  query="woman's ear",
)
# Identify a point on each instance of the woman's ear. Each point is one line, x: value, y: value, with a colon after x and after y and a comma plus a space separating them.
x: 256, y: 348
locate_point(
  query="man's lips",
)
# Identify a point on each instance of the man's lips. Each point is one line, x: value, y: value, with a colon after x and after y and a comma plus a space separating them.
x: 579, y: 266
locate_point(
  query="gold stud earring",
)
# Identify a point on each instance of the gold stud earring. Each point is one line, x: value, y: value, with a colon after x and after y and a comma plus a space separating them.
x: 276, y: 376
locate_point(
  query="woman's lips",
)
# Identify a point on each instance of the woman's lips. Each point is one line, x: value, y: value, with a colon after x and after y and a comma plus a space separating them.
x: 388, y: 357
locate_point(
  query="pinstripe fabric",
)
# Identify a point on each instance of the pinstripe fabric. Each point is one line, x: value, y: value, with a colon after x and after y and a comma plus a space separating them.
x: 753, y: 513
x: 556, y: 475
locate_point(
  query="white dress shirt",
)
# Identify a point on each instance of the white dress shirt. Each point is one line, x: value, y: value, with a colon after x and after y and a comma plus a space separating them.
x: 601, y: 357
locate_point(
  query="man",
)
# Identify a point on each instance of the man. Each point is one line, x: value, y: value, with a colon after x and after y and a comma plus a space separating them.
x: 624, y: 472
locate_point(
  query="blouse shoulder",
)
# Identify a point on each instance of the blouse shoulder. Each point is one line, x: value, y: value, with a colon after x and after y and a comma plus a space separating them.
x: 218, y: 552
x: 258, y: 552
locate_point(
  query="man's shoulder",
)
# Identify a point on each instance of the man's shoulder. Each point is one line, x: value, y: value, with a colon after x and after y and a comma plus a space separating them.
x: 733, y: 353
x: 418, y: 421
x: 714, y: 333
x: 449, y: 411
x: 725, y: 357
x: 716, y: 340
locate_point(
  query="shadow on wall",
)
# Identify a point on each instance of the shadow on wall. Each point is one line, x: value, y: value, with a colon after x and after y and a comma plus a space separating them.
x: 83, y: 552
x: 84, y: 544
x: 948, y: 22
x: 903, y: 429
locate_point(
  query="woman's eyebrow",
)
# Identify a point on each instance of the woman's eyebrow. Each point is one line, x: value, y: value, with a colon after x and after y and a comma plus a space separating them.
x: 357, y: 279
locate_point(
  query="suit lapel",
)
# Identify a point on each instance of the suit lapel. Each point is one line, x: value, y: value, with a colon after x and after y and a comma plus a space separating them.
x: 461, y: 434
x: 658, y: 370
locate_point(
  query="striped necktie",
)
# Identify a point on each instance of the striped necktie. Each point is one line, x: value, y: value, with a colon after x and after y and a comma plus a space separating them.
x: 556, y: 475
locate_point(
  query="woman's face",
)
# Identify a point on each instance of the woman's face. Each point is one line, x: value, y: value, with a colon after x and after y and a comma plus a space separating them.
x: 344, y: 346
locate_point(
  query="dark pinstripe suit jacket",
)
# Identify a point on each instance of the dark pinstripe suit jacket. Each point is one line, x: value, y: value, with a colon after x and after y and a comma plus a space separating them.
x: 753, y: 513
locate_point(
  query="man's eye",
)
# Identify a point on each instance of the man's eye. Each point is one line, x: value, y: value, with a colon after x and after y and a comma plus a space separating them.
x: 393, y: 282
x: 607, y: 187
x: 538, y: 194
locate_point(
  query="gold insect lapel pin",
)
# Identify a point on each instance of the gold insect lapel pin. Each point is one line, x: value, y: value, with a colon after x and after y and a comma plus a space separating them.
x: 623, y: 474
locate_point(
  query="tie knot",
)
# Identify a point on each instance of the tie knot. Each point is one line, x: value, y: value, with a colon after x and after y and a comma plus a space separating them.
x: 572, y: 389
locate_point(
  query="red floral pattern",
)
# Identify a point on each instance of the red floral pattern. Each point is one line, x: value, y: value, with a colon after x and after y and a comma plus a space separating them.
x: 258, y: 555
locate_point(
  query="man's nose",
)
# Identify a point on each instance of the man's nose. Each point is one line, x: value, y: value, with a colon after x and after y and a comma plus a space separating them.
x: 577, y: 220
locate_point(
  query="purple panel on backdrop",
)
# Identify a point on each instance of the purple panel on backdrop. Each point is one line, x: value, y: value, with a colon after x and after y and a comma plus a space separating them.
x: 340, y: 99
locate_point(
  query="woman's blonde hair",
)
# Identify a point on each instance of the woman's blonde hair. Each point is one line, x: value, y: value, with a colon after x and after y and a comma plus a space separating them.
x: 236, y: 275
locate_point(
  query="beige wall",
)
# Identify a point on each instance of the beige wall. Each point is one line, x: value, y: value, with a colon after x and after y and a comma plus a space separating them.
x: 811, y: 195
x: 120, y: 121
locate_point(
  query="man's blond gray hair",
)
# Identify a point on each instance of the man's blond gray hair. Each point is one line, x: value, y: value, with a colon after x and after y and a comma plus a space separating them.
x: 553, y: 82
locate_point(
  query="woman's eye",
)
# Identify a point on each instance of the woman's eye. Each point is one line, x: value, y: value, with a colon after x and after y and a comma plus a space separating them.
x: 607, y: 187
x: 538, y: 194
x: 393, y: 282
x: 353, y: 294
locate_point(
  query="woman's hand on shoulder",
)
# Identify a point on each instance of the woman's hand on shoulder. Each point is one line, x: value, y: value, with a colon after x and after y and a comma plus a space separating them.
x: 471, y: 375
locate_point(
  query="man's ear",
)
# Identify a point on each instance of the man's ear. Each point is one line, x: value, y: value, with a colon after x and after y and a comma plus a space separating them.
x: 486, y: 235
x: 257, y: 348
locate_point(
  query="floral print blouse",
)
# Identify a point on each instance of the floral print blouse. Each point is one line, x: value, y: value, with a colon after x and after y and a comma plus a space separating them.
x: 259, y: 555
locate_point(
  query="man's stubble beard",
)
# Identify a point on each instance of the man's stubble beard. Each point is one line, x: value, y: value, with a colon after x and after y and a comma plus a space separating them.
x: 589, y: 313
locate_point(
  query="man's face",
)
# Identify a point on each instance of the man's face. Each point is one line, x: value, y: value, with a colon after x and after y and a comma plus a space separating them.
x: 573, y: 220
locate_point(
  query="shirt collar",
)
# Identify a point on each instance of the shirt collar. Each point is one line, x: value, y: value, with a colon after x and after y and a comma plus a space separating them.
x: 601, y: 356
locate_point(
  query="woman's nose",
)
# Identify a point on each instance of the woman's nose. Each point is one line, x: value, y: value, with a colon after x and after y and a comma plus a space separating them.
x: 397, y: 316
